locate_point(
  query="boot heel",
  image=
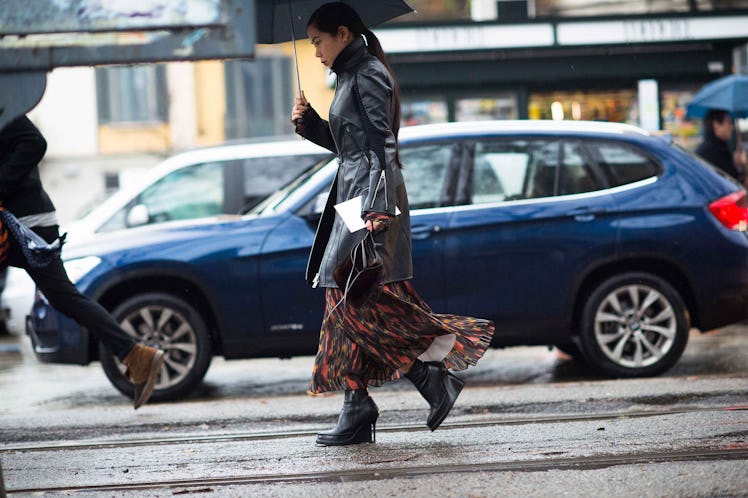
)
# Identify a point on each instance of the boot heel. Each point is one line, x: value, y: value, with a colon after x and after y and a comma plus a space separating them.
x: 357, y: 421
x: 366, y: 433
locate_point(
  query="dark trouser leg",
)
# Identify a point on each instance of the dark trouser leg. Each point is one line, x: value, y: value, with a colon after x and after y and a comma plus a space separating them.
x: 54, y: 283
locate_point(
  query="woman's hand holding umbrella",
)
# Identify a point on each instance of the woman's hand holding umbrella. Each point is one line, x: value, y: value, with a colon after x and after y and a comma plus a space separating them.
x: 300, y: 107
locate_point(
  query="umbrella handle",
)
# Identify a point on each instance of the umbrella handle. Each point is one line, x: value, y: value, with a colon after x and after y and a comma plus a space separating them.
x: 295, y: 56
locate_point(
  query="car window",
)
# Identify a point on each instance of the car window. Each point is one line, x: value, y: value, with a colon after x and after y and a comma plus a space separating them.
x: 513, y: 169
x: 622, y: 164
x: 191, y: 192
x: 425, y: 169
x: 265, y: 175
x: 577, y: 174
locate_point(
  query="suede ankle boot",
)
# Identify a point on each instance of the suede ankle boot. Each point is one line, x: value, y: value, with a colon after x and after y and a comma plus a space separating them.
x: 357, y: 421
x: 438, y: 386
x: 143, y: 364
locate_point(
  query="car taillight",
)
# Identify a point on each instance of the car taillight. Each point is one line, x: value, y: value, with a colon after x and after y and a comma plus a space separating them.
x: 732, y: 211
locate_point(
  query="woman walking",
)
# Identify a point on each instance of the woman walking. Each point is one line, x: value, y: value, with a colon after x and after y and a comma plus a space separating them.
x: 372, y: 343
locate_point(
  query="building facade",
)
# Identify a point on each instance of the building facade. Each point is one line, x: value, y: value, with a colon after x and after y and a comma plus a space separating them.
x: 632, y: 61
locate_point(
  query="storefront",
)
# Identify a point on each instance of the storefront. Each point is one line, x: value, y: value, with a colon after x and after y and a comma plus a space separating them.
x: 587, y: 69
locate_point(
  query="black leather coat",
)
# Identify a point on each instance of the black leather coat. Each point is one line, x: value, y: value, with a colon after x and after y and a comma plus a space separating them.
x: 359, y: 132
x: 717, y: 152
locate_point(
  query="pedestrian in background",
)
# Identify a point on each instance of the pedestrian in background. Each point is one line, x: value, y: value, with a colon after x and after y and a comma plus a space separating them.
x: 22, y: 147
x: 368, y: 345
x: 715, y: 147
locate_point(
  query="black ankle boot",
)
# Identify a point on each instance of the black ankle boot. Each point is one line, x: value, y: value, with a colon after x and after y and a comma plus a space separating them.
x: 438, y: 386
x: 357, y: 421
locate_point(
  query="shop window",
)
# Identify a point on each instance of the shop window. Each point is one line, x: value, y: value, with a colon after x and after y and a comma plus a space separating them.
x: 685, y: 132
x: 417, y: 112
x: 617, y: 106
x: 257, y: 97
x: 486, y: 108
x: 132, y: 94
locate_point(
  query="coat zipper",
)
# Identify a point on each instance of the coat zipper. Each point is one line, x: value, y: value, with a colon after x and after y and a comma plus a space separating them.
x: 382, y: 178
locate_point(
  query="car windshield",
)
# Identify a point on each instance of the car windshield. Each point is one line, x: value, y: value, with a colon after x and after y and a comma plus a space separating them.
x: 274, y: 202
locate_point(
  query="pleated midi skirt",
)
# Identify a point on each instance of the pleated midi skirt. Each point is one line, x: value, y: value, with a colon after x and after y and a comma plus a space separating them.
x: 365, y: 346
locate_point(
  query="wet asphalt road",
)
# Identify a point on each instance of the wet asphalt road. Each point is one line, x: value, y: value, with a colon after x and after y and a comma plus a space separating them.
x: 529, y: 423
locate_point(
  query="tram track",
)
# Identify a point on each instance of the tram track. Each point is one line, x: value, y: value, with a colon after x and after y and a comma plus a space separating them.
x: 714, y: 451
x: 267, y: 435
x: 178, y: 486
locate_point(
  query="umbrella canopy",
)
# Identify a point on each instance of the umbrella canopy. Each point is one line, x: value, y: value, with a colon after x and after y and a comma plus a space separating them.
x: 729, y: 93
x: 285, y: 20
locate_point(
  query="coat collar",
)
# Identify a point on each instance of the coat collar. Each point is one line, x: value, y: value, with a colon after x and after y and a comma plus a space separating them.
x: 350, y: 56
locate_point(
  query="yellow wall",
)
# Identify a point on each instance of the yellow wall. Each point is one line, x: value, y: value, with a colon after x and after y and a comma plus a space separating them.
x: 210, y: 97
x: 313, y: 76
x: 210, y: 104
x: 119, y: 139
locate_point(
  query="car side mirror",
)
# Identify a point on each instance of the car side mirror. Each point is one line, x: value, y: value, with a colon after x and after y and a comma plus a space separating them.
x: 137, y: 216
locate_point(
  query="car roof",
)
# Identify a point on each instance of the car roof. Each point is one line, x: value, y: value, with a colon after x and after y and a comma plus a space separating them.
x: 518, y: 126
x: 267, y: 147
x: 258, y: 148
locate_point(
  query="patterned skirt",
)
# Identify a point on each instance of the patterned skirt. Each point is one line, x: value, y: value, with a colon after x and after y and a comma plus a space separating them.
x: 365, y: 346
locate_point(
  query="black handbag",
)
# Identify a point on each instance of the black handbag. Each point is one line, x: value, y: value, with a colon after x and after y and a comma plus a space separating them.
x: 360, y: 275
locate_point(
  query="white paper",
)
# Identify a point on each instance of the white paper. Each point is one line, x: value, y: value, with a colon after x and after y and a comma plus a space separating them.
x: 350, y: 212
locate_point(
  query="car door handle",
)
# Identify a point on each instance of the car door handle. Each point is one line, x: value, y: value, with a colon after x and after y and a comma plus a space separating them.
x: 585, y: 214
x: 584, y: 217
x: 422, y: 232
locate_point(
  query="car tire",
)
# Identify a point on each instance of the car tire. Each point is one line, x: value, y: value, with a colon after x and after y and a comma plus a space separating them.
x: 164, y: 321
x: 633, y: 325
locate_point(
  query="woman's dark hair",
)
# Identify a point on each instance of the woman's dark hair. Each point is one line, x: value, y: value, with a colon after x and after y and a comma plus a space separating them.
x: 714, y: 116
x: 330, y: 16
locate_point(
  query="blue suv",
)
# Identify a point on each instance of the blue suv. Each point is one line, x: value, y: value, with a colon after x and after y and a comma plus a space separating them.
x: 596, y: 238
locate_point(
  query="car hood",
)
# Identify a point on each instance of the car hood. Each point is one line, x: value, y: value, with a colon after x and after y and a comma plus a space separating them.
x: 166, y: 235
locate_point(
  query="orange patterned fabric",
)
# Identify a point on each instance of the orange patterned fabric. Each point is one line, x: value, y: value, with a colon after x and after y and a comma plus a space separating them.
x: 365, y: 346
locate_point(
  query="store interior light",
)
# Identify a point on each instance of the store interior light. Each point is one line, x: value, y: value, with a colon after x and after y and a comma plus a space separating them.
x: 557, y: 111
x: 576, y: 111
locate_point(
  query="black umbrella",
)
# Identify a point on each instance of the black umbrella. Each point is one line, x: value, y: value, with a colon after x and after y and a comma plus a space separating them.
x: 285, y: 20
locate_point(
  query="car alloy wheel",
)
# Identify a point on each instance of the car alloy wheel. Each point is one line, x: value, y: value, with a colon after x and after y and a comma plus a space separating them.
x: 168, y: 323
x: 164, y: 328
x: 634, y: 324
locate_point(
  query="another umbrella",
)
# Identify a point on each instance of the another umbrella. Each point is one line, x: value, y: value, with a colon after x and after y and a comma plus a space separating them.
x: 729, y: 93
x: 285, y: 20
